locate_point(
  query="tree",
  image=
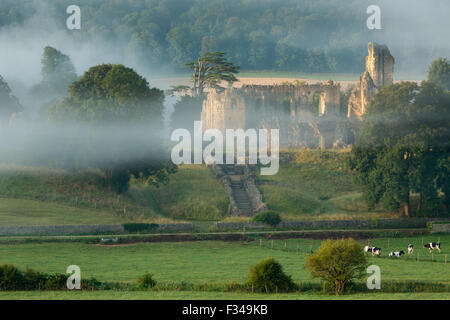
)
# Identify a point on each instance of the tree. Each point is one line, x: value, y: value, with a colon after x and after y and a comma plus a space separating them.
x: 114, y: 117
x: 110, y: 93
x: 210, y: 70
x: 268, y: 276
x: 57, y: 73
x: 402, y: 146
x: 337, y: 262
x: 186, y: 111
x: 439, y: 73
x: 9, y: 104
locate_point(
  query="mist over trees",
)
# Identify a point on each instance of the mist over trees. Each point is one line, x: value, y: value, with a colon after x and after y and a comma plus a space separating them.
x: 9, y: 104
x: 284, y: 35
x: 403, y: 149
x: 57, y: 73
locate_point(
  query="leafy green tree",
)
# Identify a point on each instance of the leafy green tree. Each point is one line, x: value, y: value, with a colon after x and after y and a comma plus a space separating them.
x: 337, y: 262
x: 114, y: 118
x: 57, y: 73
x: 210, y: 70
x: 9, y: 104
x: 439, y: 73
x: 402, y: 146
x: 110, y: 93
x: 268, y: 276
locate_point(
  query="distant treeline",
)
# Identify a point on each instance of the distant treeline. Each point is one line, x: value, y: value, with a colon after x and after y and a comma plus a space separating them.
x: 284, y: 35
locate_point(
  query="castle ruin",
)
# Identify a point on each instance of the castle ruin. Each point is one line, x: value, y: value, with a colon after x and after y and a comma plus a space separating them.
x: 308, y: 115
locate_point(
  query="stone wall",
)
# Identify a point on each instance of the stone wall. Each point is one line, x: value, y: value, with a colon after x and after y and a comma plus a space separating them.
x: 440, y: 228
x: 330, y: 224
x: 85, y: 229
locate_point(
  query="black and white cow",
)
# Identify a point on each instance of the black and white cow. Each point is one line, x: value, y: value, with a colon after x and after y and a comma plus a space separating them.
x: 397, y: 254
x: 433, y: 245
x: 368, y: 249
x: 410, y: 248
x: 376, y: 251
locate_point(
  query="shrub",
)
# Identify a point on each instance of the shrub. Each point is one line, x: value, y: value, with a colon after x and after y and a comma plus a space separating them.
x: 337, y: 263
x: 146, y: 281
x: 268, y: 217
x: 268, y: 276
x: 140, y: 227
x: 10, y: 278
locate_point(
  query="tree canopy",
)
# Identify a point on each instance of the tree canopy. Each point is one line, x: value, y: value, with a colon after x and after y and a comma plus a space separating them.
x: 439, y: 73
x: 337, y: 262
x: 403, y: 147
x: 285, y: 35
x: 57, y: 73
x: 9, y: 104
x: 209, y: 70
x: 110, y: 93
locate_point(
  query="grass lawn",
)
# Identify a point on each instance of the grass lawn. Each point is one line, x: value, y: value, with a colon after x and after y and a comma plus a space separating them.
x: 37, y: 196
x: 316, y: 185
x: 193, y: 193
x: 196, y: 295
x: 21, y: 212
x: 213, y: 261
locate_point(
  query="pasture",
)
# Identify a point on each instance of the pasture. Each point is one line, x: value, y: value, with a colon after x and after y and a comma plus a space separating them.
x: 210, y: 262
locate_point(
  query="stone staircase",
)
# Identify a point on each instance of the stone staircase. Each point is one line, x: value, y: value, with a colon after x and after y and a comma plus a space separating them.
x: 234, y: 180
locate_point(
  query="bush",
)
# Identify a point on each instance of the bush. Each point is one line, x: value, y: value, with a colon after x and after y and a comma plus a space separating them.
x: 146, y: 281
x: 10, y: 278
x: 268, y: 217
x: 140, y: 227
x: 268, y: 276
x: 337, y: 263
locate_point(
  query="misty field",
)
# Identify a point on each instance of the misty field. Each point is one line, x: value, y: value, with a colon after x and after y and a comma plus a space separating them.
x: 214, y: 262
x: 36, y: 196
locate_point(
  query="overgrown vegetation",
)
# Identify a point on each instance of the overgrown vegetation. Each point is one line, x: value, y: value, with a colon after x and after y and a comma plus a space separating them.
x: 268, y: 217
x: 268, y: 276
x: 337, y: 263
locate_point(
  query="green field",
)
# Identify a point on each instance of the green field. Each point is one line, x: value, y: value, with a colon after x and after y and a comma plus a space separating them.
x: 316, y: 185
x: 37, y: 196
x: 22, y: 212
x: 195, y: 295
x: 211, y: 261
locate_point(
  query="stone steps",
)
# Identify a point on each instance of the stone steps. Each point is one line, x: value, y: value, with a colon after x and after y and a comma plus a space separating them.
x: 238, y: 191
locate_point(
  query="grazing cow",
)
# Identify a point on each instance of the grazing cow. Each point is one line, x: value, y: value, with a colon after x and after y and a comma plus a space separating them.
x: 376, y: 251
x: 397, y: 254
x: 410, y: 248
x: 368, y: 249
x: 433, y: 245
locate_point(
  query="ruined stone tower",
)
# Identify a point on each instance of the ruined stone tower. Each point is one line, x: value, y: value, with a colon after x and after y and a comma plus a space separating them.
x: 379, y: 73
x: 293, y: 108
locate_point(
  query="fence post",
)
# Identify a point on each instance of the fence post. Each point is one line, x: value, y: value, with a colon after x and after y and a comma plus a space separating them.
x: 285, y: 244
x: 445, y: 259
x: 272, y: 244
